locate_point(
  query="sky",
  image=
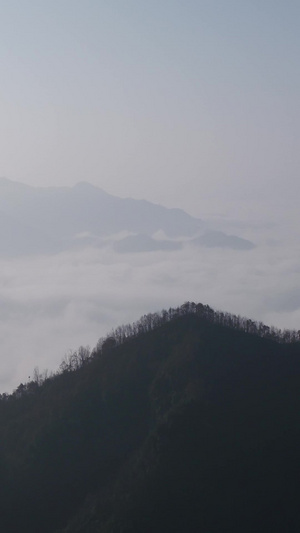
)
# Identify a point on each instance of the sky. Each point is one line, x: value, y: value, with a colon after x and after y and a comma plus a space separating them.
x: 189, y: 104
x: 192, y: 104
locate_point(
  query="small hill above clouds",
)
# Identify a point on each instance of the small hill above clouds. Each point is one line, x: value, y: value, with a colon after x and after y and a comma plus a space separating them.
x: 219, y: 239
x: 144, y: 243
x: 50, y: 219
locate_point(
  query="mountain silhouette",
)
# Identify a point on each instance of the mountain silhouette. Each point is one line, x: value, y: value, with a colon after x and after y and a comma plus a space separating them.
x: 52, y: 217
x: 187, y: 420
x: 48, y: 220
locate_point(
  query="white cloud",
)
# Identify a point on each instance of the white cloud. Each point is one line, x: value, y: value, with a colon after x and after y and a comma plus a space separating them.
x: 50, y: 304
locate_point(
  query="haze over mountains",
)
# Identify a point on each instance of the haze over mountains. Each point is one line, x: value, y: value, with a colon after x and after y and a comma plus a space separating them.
x: 54, y: 219
x: 76, y: 262
x: 159, y: 144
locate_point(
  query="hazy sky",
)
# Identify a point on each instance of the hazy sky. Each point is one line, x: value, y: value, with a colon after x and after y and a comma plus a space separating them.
x: 190, y: 103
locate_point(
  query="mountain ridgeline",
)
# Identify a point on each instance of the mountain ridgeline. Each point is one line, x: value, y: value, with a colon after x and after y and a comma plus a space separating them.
x: 187, y: 420
x: 50, y: 220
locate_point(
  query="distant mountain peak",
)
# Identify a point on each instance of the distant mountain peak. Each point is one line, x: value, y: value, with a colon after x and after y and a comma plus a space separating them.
x: 86, y: 185
x: 61, y: 213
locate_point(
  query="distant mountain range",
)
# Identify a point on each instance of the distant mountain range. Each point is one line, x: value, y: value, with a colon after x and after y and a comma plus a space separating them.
x: 53, y: 219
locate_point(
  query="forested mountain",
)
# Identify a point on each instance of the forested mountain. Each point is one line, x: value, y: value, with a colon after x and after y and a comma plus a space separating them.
x: 187, y: 420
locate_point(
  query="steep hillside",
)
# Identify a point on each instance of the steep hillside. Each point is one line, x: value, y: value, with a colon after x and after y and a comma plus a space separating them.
x: 185, y: 421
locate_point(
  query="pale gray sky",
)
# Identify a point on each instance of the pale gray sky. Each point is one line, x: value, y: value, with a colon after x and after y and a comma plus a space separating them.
x: 189, y: 103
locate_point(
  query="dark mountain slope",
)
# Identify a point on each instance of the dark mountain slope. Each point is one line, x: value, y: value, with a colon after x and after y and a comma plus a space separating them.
x: 182, y: 422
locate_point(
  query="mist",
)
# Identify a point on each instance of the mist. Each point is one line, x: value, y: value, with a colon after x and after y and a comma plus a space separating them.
x: 51, y: 304
x: 193, y: 106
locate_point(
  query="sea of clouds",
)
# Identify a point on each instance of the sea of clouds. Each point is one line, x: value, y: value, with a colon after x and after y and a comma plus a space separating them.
x: 51, y: 304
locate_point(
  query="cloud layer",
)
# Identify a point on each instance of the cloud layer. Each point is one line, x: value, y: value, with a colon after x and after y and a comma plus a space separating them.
x: 50, y: 304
